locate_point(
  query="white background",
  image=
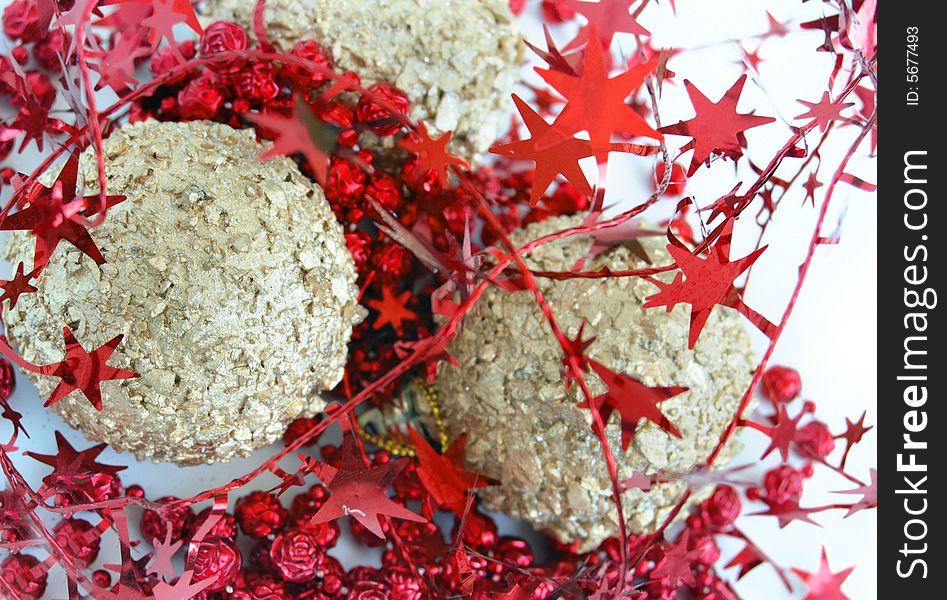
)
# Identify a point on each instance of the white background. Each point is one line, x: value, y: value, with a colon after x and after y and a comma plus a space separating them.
x: 831, y: 336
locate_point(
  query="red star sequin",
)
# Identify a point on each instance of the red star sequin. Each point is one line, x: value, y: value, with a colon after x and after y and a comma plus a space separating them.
x: 715, y: 126
x: 84, y: 371
x: 362, y: 492
x: 55, y: 214
x: 824, y: 584
x: 20, y: 284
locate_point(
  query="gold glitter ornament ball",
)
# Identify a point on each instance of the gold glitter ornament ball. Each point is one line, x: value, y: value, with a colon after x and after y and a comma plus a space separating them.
x: 524, y: 427
x: 456, y: 60
x: 229, y: 278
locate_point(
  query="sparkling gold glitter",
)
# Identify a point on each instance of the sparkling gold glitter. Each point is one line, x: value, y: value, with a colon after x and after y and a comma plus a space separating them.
x: 457, y: 60
x: 230, y: 279
x: 524, y: 427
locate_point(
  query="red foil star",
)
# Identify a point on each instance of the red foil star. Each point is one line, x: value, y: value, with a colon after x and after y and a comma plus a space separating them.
x: 446, y: 481
x: 362, y: 492
x: 715, y: 125
x: 84, y: 371
x: 55, y: 214
x: 554, y: 153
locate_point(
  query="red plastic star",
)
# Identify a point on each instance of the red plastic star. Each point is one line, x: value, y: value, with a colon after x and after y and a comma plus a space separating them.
x: 67, y: 461
x: 596, y: 103
x: 824, y: 584
x: 116, y: 67
x: 55, y: 214
x: 165, y: 15
x: 432, y: 153
x: 575, y: 352
x: 300, y: 133
x: 446, y: 481
x: 20, y: 284
x: 432, y: 352
x: 361, y: 492
x: 811, y: 185
x: 554, y: 153
x: 783, y: 433
x: 633, y: 400
x: 854, y: 432
x: 869, y: 495
x: 715, y: 125
x: 605, y: 19
x: 84, y: 371
x: 824, y: 111
x: 675, y: 566
x: 702, y: 282
x: 776, y: 29
x: 392, y: 309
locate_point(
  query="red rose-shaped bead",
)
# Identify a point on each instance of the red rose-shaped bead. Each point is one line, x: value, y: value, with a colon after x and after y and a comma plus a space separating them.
x: 217, y: 559
x: 379, y: 117
x: 385, y: 190
x: 298, y: 428
x: 225, y: 527
x: 296, y: 554
x: 48, y: 50
x: 24, y: 575
x: 724, y: 506
x: 220, y: 37
x: 257, y: 83
x: 678, y: 181
x: 480, y: 532
x: 260, y: 514
x: 20, y: 21
x: 781, y: 384
x: 257, y: 586
x: 783, y: 484
x: 164, y: 59
x: 816, y: 440
x: 331, y: 576
x: 75, y: 536
x: 369, y: 590
x: 154, y: 525
x: 201, y: 98
x: 7, y: 379
x: 311, y: 51
x: 557, y: 11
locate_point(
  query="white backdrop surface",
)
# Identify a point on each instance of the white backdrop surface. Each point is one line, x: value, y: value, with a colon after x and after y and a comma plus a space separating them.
x: 830, y: 338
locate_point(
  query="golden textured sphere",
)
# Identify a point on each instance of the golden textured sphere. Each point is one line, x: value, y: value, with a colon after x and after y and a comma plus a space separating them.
x: 229, y: 278
x: 456, y: 60
x: 524, y: 427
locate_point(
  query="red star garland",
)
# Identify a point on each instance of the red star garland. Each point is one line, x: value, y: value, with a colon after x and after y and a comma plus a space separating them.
x: 116, y: 67
x: 783, y: 433
x: 575, y: 351
x: 703, y: 282
x: 675, y: 566
x: 361, y: 492
x: 84, y: 371
x: 446, y: 481
x: 393, y: 309
x: 596, y: 103
x: 824, y: 584
x: 869, y: 495
x: 715, y: 126
x: 431, y: 350
x: 299, y: 133
x: 69, y: 464
x: 554, y: 153
x: 823, y: 112
x: 633, y: 400
x: 810, y: 186
x: 165, y: 15
x: 747, y: 559
x: 20, y: 284
x: 55, y: 214
x: 605, y: 19
x: 854, y: 432
x: 432, y: 154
